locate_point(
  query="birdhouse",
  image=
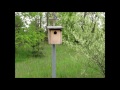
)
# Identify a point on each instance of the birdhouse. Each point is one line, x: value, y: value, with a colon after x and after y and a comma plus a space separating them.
x: 54, y: 34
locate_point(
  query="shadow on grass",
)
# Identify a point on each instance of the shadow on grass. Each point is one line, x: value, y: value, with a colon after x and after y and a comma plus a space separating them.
x: 24, y: 54
x: 21, y: 58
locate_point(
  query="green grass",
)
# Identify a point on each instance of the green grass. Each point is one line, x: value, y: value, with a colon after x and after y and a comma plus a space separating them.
x: 69, y: 64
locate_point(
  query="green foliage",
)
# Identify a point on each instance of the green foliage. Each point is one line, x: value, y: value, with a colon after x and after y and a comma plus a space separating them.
x: 34, y: 35
x: 18, y: 22
x: 82, y: 32
x: 93, y: 46
x: 18, y: 30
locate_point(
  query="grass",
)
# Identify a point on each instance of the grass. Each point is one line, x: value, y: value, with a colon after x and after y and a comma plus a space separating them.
x: 69, y: 64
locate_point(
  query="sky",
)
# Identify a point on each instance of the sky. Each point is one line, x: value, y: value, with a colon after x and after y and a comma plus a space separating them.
x: 28, y: 20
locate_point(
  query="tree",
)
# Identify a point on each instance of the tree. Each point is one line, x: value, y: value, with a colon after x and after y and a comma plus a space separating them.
x: 18, y: 29
x: 83, y: 32
x: 35, y: 33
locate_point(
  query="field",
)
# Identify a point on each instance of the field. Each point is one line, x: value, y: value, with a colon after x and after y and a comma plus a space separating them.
x: 69, y: 64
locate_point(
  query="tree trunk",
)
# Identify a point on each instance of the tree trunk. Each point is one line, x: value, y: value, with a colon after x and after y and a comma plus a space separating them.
x: 40, y: 20
x: 47, y: 18
x: 93, y: 29
x: 83, y: 22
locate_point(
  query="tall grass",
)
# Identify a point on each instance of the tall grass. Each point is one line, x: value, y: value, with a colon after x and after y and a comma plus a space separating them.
x: 69, y: 64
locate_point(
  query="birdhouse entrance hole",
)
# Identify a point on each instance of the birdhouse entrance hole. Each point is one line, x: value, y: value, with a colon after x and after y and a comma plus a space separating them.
x: 55, y: 32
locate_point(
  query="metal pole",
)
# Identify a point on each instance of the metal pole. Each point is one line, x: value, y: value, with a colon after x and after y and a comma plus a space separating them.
x: 53, y: 56
x: 53, y: 61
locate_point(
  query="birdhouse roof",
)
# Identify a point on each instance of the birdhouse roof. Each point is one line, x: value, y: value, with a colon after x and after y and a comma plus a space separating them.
x: 54, y: 27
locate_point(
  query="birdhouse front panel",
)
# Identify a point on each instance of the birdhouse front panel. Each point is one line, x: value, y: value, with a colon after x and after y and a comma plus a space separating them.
x: 54, y: 34
x: 55, y: 37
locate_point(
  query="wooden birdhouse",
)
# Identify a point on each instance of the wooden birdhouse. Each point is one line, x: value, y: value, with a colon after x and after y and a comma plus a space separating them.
x: 54, y: 34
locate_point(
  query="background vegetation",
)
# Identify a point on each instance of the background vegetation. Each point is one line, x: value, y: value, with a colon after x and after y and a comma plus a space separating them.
x: 81, y: 55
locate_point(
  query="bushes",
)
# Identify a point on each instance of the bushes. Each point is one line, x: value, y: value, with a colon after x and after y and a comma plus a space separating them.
x: 35, y: 34
x: 31, y: 39
x: 38, y: 49
x: 82, y: 38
